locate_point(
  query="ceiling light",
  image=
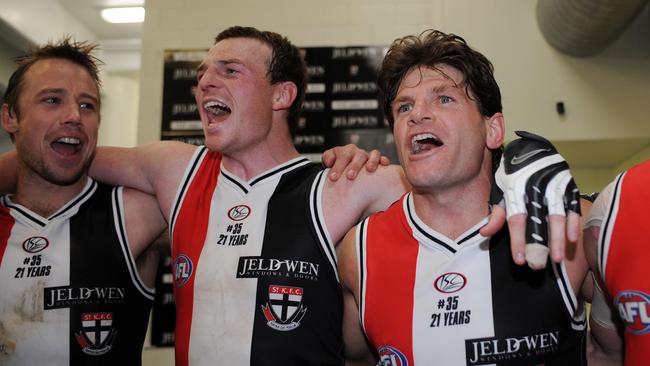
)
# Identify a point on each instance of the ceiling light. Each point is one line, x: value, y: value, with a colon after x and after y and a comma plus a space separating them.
x: 124, y: 15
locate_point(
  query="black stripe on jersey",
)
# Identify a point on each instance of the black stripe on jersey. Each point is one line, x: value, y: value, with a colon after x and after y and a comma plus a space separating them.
x: 361, y: 241
x: 569, y: 299
x: 118, y: 211
x: 424, y: 232
x: 235, y: 181
x: 607, y: 227
x: 188, y: 178
x: 82, y: 197
x: 319, y: 225
x: 278, y: 170
x: 98, y: 269
x: 312, y: 334
x: 527, y: 304
x: 469, y: 236
x: 24, y: 213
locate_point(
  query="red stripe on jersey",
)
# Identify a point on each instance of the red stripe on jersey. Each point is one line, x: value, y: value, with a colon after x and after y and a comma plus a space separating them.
x: 629, y: 255
x: 390, y: 282
x: 190, y: 230
x: 6, y: 224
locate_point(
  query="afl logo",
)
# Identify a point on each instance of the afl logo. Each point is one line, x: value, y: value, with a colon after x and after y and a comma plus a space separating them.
x: 35, y: 244
x: 450, y: 282
x: 634, y: 308
x: 391, y: 356
x: 239, y: 213
x: 182, y: 270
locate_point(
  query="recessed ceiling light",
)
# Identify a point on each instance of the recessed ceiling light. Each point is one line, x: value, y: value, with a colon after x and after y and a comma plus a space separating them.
x: 124, y: 15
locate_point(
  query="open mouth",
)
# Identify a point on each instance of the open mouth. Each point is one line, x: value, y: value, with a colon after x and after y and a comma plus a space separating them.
x: 424, y: 142
x: 216, y: 108
x: 66, y: 145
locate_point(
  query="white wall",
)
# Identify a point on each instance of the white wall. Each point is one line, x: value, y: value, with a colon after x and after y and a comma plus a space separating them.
x: 120, y: 103
x: 605, y: 96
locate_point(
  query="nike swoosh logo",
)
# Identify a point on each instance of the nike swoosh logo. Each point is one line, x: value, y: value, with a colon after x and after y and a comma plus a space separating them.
x: 516, y: 160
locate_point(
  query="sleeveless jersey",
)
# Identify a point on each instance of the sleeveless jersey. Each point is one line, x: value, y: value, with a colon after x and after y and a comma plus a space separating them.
x: 254, y: 268
x: 428, y: 300
x: 71, y: 293
x: 623, y: 253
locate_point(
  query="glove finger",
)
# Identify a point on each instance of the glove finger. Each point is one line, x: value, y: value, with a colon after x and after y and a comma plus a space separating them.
x: 572, y: 196
x: 555, y: 193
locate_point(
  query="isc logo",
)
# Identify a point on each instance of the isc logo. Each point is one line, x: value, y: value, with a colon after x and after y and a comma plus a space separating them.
x: 182, y: 270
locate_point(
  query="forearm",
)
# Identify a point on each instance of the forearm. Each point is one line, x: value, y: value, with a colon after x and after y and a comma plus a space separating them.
x: 122, y: 167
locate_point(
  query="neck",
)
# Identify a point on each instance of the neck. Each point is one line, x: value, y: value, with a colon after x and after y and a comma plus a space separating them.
x: 256, y: 160
x: 454, y: 210
x: 44, y: 197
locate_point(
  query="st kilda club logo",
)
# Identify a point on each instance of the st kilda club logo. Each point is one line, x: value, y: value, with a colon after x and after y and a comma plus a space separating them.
x: 284, y: 310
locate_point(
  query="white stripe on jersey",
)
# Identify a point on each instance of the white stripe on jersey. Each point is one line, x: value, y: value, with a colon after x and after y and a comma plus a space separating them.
x: 117, y: 199
x: 318, y: 219
x: 607, y: 228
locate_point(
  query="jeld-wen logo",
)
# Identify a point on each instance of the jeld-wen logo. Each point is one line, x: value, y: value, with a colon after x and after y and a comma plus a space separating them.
x: 482, y: 351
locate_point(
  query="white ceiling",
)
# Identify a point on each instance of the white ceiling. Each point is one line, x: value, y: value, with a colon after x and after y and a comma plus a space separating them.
x: 88, y: 13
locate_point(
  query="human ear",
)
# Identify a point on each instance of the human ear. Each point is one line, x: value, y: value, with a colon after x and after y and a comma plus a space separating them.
x: 495, y: 131
x: 284, y: 94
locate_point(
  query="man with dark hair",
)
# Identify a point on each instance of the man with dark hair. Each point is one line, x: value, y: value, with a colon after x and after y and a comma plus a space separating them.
x: 72, y: 292
x: 425, y: 285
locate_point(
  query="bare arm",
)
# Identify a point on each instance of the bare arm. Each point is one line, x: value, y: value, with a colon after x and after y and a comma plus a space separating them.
x: 345, y: 201
x: 144, y: 224
x: 155, y: 168
x: 357, y: 349
x: 605, y: 343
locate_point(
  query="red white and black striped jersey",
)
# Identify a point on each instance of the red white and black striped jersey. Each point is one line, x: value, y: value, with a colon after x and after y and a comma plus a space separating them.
x: 71, y: 293
x: 623, y: 256
x: 254, y: 268
x: 426, y: 299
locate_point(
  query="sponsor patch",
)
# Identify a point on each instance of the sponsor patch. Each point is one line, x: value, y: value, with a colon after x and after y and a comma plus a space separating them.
x: 633, y: 307
x: 35, y: 244
x: 511, y: 350
x: 284, y: 309
x: 67, y: 296
x: 97, y: 333
x: 391, y: 356
x: 239, y: 212
x: 450, y: 282
x: 182, y: 270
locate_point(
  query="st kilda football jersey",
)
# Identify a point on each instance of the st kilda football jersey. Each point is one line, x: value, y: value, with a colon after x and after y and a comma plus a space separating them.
x: 623, y: 256
x: 430, y: 300
x: 70, y: 291
x: 254, y: 268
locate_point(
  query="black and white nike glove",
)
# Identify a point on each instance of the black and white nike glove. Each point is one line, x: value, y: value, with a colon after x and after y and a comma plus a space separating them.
x: 534, y: 179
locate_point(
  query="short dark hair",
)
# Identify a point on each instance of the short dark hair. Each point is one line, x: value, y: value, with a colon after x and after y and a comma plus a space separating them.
x: 433, y: 47
x: 79, y: 53
x: 286, y: 63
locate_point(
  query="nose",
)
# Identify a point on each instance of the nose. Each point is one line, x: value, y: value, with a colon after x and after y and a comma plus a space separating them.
x: 72, y: 113
x: 421, y: 112
x: 209, y: 79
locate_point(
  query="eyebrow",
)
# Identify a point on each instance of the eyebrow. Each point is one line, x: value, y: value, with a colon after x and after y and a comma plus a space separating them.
x: 203, y: 66
x: 63, y: 91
